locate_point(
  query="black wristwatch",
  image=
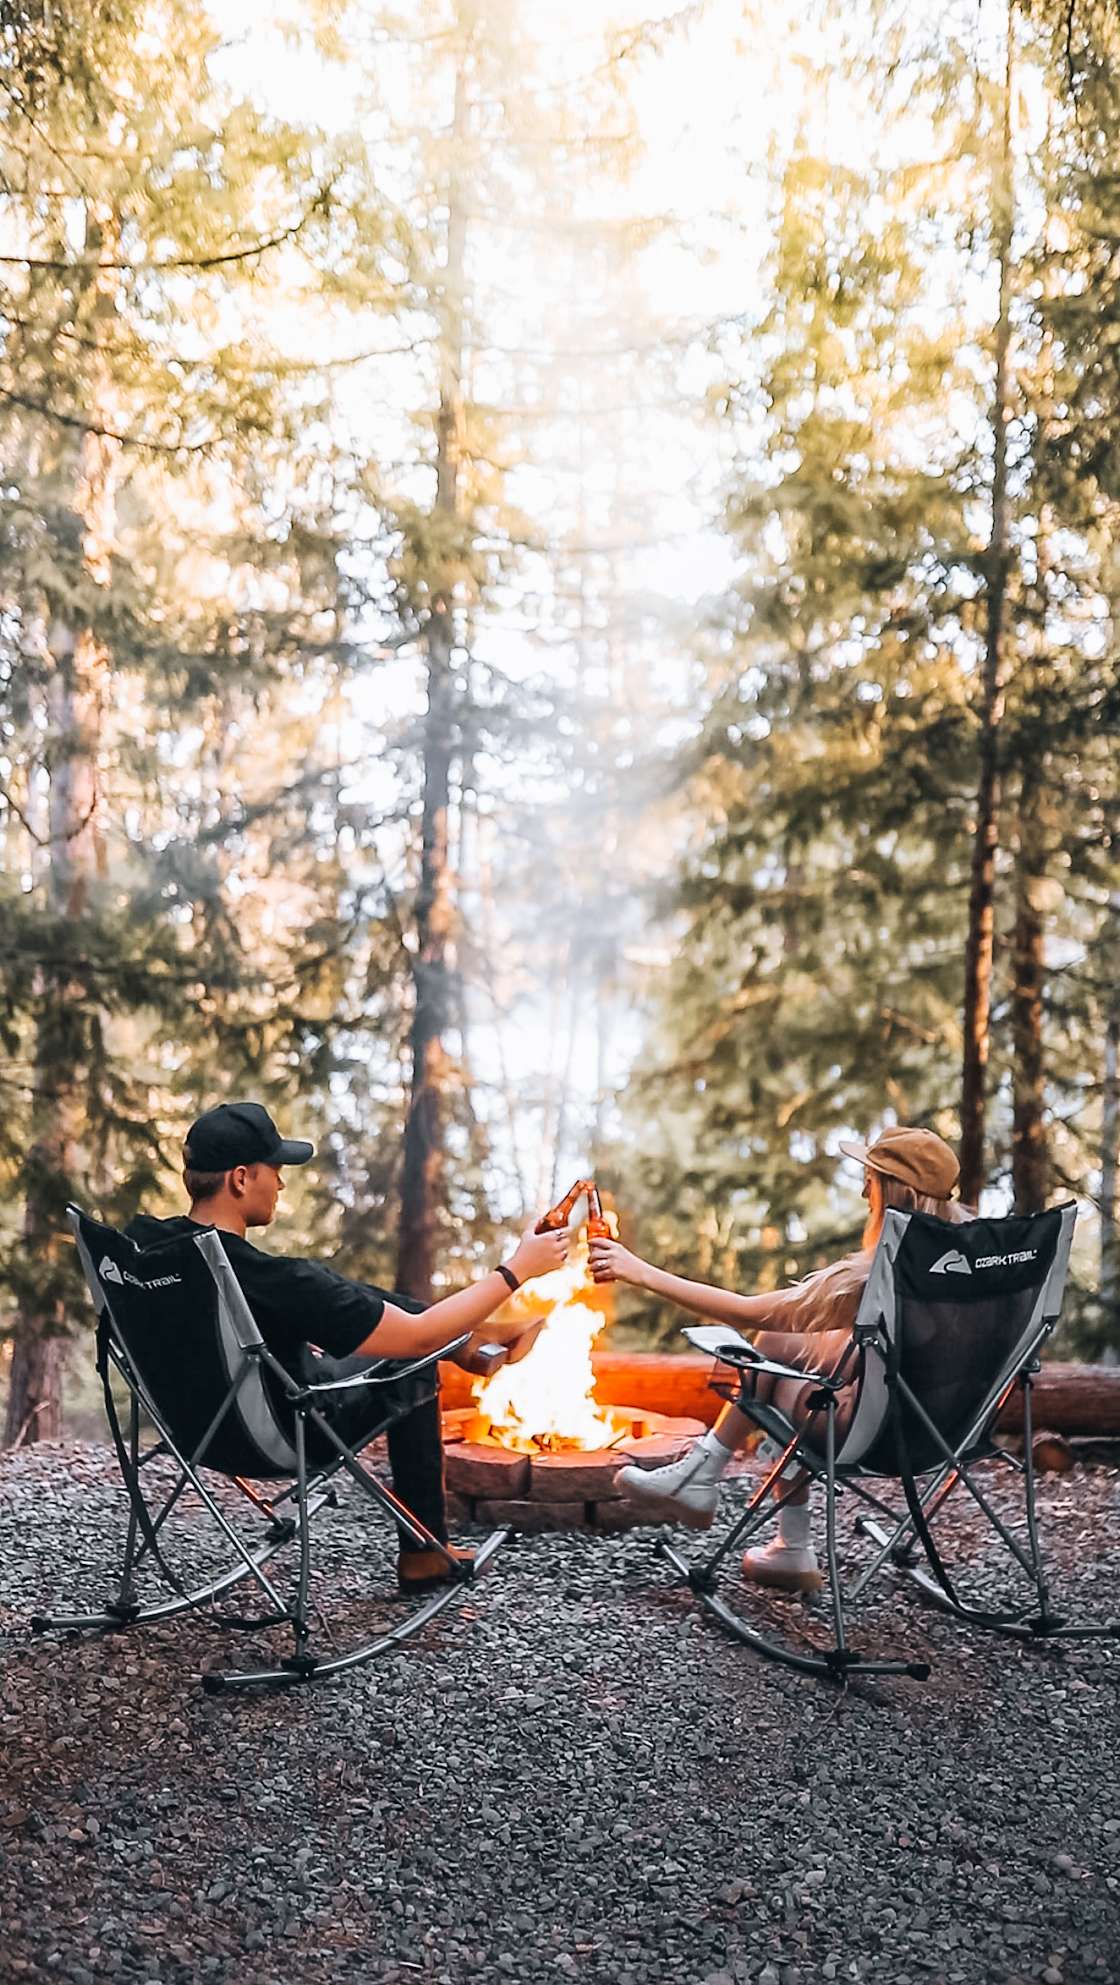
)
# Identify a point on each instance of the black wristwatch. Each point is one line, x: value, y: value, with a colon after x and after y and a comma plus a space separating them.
x: 508, y: 1275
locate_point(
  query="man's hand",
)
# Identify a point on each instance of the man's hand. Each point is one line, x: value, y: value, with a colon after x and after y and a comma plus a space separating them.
x: 611, y: 1262
x: 470, y: 1357
x: 521, y: 1346
x: 539, y: 1254
x: 403, y: 1335
x: 515, y: 1339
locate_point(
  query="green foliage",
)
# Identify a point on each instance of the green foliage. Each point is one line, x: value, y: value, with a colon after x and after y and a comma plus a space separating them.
x: 173, y: 558
x: 820, y: 917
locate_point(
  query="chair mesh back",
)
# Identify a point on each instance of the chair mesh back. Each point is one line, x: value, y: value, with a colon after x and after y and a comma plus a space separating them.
x: 182, y: 1320
x: 970, y: 1304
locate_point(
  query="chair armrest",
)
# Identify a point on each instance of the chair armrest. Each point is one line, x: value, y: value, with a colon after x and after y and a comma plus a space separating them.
x: 729, y: 1348
x: 791, y: 1371
x: 384, y: 1372
x: 714, y: 1338
x: 755, y: 1363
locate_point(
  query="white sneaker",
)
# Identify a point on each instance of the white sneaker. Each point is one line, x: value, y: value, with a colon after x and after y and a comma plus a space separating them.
x: 681, y: 1492
x: 785, y: 1567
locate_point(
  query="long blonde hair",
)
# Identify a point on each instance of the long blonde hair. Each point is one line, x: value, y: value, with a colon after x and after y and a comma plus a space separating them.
x: 829, y: 1298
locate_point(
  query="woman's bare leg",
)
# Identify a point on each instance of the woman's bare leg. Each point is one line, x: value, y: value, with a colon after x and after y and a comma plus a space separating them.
x: 734, y: 1428
x: 688, y: 1490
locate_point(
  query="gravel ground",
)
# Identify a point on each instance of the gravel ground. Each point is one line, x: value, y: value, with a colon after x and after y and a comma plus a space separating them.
x: 572, y: 1777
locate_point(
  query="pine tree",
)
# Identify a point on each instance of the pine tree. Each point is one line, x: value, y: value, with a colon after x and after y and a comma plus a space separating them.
x: 147, y: 201
x: 980, y: 937
x: 817, y: 977
x: 912, y: 671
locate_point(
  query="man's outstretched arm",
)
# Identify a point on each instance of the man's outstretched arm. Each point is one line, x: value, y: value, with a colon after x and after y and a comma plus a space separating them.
x: 401, y: 1335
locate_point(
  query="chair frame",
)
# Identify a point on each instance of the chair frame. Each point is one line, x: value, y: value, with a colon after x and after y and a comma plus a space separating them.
x: 897, y: 1534
x: 307, y: 1493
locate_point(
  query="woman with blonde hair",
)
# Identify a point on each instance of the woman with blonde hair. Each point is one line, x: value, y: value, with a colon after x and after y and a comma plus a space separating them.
x: 807, y: 1326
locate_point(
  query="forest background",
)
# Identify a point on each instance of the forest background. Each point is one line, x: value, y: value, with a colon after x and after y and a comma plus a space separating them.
x: 559, y: 581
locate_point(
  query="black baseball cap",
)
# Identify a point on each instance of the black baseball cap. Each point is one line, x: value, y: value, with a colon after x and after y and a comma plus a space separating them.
x: 241, y: 1134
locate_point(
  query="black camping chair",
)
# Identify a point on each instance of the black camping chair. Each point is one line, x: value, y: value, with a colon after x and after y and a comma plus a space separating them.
x: 952, y: 1319
x: 174, y: 1325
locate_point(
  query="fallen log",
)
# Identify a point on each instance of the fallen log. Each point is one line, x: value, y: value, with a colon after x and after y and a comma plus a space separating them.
x: 1069, y: 1399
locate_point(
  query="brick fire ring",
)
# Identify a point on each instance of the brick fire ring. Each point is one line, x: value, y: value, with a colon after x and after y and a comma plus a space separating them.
x: 570, y: 1490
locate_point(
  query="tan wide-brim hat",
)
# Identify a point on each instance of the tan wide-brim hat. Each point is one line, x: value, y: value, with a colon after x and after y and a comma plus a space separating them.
x: 918, y: 1158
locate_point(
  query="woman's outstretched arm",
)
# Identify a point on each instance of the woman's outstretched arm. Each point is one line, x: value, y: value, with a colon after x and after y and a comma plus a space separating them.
x: 611, y: 1262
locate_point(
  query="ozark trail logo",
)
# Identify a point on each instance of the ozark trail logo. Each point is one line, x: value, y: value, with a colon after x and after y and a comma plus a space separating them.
x: 952, y: 1263
x: 112, y: 1273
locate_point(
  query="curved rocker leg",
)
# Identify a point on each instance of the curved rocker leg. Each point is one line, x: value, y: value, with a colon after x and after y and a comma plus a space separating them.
x: 834, y: 1664
x: 302, y: 1668
x: 1022, y: 1623
x: 116, y: 1619
x: 1017, y: 1626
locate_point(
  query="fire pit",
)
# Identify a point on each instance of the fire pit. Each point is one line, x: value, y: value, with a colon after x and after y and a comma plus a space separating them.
x: 555, y: 1486
x: 536, y: 1449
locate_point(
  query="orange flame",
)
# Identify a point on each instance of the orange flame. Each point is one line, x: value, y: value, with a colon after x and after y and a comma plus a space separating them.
x: 550, y: 1394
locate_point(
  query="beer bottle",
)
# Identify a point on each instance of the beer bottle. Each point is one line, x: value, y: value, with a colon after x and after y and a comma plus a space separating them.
x: 559, y: 1215
x: 597, y: 1227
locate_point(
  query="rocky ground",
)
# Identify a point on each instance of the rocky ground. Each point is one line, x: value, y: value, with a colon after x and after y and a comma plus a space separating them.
x: 575, y: 1776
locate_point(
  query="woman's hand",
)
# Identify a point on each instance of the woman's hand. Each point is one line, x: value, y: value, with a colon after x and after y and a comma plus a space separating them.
x: 611, y: 1262
x: 539, y: 1254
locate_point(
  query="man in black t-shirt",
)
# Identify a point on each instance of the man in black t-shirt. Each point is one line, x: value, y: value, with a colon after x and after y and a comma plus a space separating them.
x: 320, y: 1324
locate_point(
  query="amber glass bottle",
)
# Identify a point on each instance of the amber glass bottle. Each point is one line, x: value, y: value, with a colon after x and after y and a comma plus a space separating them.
x: 560, y: 1214
x: 597, y: 1227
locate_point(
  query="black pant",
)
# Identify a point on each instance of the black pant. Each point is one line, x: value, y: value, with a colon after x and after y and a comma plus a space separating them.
x: 415, y: 1442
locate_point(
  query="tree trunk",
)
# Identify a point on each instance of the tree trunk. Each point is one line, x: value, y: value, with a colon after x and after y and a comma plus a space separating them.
x: 566, y: 1012
x: 1110, y: 1139
x: 74, y: 858
x: 422, y: 1169
x: 1029, y: 1155
x: 35, y: 1386
x: 62, y: 1062
x: 981, y: 907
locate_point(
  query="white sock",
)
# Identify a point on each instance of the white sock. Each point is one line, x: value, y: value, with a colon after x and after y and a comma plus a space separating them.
x: 715, y: 1456
x: 793, y: 1525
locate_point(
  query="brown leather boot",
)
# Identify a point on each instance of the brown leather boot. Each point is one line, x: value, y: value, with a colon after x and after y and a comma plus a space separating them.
x: 423, y: 1571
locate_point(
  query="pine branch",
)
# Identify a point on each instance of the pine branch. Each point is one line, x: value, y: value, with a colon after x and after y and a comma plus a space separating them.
x: 282, y: 368
x: 17, y: 811
x: 177, y: 261
x: 105, y: 433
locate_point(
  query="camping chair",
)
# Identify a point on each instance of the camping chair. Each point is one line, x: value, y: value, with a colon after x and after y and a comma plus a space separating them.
x: 951, y: 1320
x: 174, y: 1325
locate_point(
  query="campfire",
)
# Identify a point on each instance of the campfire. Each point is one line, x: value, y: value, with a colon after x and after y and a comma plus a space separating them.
x: 546, y: 1404
x: 536, y: 1448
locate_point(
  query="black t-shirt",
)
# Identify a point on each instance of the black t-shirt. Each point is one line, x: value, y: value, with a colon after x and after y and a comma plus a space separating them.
x: 294, y: 1302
